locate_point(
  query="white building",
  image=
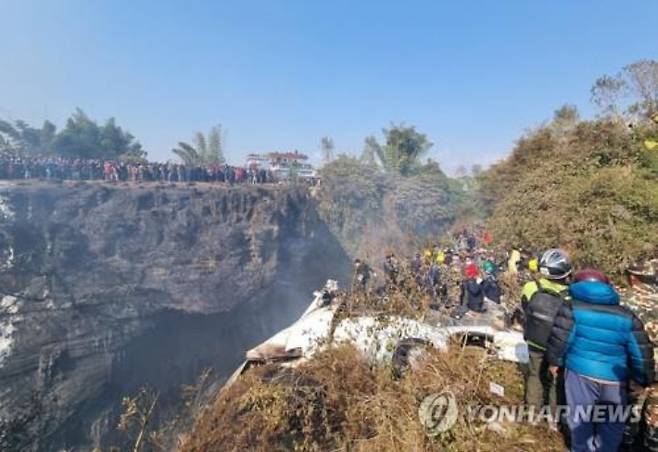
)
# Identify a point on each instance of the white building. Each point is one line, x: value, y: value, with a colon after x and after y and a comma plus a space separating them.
x: 283, y: 165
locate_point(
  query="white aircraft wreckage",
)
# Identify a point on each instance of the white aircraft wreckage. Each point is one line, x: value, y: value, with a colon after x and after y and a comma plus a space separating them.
x: 388, y: 339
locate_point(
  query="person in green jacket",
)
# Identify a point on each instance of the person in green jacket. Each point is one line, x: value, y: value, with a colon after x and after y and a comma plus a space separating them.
x: 541, y: 299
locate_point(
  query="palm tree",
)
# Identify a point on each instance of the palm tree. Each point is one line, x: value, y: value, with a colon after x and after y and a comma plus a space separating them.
x: 188, y: 154
x: 401, y: 151
x: 205, y: 151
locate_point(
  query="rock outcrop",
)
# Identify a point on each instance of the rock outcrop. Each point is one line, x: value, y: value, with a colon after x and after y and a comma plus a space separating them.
x: 106, y: 288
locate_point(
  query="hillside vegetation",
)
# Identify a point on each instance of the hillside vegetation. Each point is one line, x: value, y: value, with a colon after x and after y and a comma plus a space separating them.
x: 591, y: 187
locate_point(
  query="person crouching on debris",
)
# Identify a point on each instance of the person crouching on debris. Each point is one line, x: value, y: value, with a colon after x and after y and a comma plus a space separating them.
x: 490, y: 286
x: 472, y: 297
x: 362, y: 275
x: 472, y: 294
x: 541, y: 300
x: 603, y: 347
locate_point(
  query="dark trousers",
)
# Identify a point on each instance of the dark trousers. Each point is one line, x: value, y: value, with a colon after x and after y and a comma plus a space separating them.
x: 582, y: 395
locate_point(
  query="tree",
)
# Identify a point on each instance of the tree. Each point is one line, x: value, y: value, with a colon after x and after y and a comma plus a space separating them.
x: 215, y: 150
x: 606, y: 94
x: 633, y: 91
x: 200, y: 145
x: 188, y: 154
x: 5, y: 147
x: 566, y: 114
x: 370, y: 151
x: 81, y: 138
x: 21, y: 139
x: 327, y: 147
x: 642, y: 80
x: 461, y: 171
x: 565, y: 119
x: 402, y: 150
x: 206, y: 150
x: 84, y: 138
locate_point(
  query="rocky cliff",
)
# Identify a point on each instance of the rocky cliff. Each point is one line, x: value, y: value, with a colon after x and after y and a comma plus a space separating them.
x: 106, y: 288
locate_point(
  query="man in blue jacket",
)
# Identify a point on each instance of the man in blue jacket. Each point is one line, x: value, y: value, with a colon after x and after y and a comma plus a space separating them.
x: 603, y: 347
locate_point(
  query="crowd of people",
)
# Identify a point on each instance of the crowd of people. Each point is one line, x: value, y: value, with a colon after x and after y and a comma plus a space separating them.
x: 461, y: 277
x: 51, y: 168
x: 586, y: 347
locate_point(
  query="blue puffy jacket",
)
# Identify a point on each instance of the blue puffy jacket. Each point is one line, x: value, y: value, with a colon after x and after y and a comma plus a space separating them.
x: 596, y: 337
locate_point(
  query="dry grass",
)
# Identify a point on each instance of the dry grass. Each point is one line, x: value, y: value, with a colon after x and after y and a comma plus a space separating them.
x: 337, y: 401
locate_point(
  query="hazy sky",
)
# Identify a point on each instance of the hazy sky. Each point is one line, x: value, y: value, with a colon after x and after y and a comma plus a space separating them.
x: 281, y: 74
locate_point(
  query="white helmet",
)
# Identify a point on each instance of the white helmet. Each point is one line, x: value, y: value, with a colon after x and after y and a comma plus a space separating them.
x: 555, y: 264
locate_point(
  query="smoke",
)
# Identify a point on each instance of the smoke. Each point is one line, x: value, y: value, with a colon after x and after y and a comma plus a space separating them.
x: 374, y: 213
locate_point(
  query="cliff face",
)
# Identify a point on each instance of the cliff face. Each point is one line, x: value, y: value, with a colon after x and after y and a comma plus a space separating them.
x: 105, y: 289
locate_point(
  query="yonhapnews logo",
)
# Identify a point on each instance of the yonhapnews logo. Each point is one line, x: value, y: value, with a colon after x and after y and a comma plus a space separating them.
x: 438, y: 412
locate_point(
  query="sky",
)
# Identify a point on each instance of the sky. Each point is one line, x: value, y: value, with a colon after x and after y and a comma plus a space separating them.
x: 280, y: 74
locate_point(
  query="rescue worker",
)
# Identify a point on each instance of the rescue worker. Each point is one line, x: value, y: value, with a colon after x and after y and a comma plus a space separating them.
x: 417, y: 269
x: 434, y: 281
x: 540, y: 301
x: 603, y: 347
x: 643, y: 294
x: 391, y: 270
x: 642, y: 298
x: 440, y: 257
x: 436, y: 285
x: 427, y: 255
x: 362, y: 274
x: 451, y: 280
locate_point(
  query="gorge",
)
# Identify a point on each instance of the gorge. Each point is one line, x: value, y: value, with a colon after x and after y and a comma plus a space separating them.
x: 108, y: 288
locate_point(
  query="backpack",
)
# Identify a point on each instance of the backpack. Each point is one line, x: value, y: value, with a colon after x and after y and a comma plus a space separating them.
x: 540, y: 314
